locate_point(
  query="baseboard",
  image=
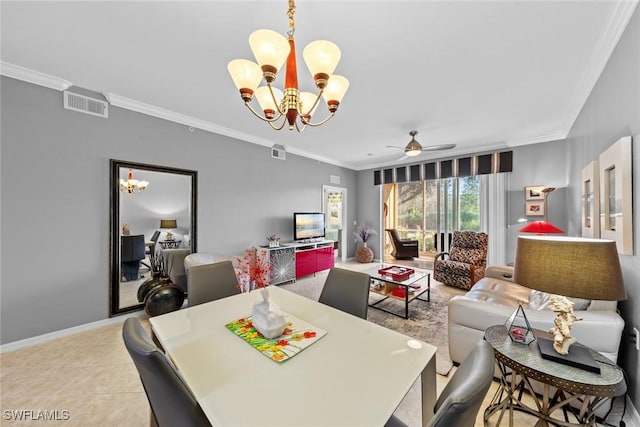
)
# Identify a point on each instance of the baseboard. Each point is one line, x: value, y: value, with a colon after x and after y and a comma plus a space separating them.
x: 28, y: 342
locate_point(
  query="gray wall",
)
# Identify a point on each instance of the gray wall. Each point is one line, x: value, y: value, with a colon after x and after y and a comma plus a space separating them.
x: 55, y: 200
x: 613, y: 111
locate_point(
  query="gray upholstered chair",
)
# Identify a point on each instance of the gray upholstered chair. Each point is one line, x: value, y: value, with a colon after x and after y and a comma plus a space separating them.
x: 461, y: 398
x: 209, y: 282
x: 347, y: 290
x: 172, y: 403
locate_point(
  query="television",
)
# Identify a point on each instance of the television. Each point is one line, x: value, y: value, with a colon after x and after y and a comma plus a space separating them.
x: 308, y: 225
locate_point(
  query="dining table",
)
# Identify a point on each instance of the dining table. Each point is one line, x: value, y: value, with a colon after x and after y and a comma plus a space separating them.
x: 337, y: 369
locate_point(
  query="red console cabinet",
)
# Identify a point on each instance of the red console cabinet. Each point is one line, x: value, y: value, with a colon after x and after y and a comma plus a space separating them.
x: 314, y: 257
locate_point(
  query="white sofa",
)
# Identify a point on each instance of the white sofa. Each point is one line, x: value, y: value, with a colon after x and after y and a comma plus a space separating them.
x: 494, y: 298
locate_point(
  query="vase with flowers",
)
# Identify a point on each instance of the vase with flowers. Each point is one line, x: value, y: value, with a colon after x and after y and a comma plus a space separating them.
x: 252, y: 270
x: 364, y: 232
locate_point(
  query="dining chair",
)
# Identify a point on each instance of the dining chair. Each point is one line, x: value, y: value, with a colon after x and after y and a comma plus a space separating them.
x: 209, y: 282
x: 172, y: 403
x: 347, y: 290
x: 459, y: 402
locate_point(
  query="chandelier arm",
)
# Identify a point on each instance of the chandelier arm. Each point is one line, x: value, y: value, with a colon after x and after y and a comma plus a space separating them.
x: 264, y: 119
x: 274, y: 127
x: 304, y: 126
x: 322, y: 122
x: 275, y: 101
x: 315, y: 103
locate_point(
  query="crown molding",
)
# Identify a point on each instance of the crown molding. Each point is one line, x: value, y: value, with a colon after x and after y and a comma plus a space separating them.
x: 172, y: 116
x: 151, y: 110
x: 31, y: 76
x: 609, y: 38
x: 553, y: 136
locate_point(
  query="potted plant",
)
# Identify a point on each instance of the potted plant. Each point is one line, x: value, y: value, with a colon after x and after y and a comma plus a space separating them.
x: 363, y: 234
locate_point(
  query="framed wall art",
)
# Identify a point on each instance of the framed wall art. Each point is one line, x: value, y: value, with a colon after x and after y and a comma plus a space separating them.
x: 534, y: 208
x: 534, y: 192
x: 616, y: 209
x: 591, y: 200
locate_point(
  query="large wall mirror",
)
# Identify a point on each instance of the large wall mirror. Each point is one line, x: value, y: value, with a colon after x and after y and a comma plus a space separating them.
x: 153, y: 214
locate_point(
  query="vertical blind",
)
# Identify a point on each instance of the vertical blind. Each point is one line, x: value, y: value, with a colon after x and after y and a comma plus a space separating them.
x: 465, y: 166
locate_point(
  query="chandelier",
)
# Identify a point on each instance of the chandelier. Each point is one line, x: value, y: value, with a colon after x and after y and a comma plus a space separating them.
x: 291, y: 106
x: 132, y: 185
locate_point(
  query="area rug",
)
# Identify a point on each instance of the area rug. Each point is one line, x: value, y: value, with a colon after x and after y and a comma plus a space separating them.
x: 427, y: 320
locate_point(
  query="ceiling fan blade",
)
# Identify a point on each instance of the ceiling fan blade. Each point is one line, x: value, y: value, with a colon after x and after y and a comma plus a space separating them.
x: 438, y: 147
x: 395, y: 146
x: 402, y: 158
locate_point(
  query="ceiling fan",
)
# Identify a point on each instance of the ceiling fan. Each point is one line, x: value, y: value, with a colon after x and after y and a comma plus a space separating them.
x: 414, y: 148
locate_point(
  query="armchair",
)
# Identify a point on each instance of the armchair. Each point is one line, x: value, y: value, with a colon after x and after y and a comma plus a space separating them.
x: 467, y: 260
x: 402, y: 249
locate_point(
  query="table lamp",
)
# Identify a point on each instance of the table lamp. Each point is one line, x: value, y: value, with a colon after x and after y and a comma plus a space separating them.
x: 541, y: 228
x: 577, y: 267
x: 169, y: 224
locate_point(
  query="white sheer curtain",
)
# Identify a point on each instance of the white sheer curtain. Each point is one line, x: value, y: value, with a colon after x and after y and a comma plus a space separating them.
x: 493, y: 213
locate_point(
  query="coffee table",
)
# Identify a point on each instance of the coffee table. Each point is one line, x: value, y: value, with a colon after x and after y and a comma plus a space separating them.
x: 417, y: 284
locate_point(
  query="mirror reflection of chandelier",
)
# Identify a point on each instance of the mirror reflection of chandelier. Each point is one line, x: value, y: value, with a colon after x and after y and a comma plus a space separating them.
x: 132, y: 185
x: 271, y: 50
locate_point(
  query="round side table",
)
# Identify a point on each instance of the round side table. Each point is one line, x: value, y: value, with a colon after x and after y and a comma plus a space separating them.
x: 573, y: 391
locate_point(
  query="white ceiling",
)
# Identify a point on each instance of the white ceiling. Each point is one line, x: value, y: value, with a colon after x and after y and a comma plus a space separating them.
x: 480, y: 74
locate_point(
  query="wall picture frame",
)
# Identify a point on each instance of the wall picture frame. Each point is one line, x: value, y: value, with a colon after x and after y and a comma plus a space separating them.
x: 616, y: 204
x: 590, y: 187
x: 533, y: 192
x: 534, y: 208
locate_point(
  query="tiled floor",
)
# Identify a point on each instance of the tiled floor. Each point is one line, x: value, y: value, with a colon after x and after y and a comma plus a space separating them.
x: 90, y: 379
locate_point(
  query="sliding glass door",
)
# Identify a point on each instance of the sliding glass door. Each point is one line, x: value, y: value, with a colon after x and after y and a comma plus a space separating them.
x: 429, y: 211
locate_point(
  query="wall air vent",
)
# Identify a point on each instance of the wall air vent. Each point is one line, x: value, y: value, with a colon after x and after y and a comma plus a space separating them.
x: 278, y: 152
x: 85, y: 104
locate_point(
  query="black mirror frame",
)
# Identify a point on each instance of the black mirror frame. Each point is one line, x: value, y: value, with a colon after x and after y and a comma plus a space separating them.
x: 114, y: 240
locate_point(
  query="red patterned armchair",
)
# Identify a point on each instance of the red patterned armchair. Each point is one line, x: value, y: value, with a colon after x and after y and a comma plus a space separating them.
x: 467, y: 260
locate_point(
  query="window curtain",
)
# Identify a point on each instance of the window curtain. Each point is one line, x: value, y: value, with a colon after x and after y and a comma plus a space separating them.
x: 483, y: 164
x: 493, y: 214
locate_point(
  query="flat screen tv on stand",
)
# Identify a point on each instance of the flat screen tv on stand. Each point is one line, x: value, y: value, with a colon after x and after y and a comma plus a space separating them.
x: 308, y: 226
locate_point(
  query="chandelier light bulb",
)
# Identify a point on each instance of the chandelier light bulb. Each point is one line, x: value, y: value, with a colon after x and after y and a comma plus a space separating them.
x: 321, y: 57
x: 307, y: 99
x: 271, y: 50
x: 246, y: 75
x: 263, y: 95
x: 334, y: 92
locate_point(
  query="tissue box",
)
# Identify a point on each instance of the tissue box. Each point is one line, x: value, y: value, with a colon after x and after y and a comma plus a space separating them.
x: 269, y: 331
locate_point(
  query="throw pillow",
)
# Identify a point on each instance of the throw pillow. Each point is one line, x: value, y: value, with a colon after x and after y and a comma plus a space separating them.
x: 540, y: 301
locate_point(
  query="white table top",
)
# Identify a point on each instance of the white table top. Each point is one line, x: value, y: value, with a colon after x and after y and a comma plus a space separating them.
x: 356, y: 375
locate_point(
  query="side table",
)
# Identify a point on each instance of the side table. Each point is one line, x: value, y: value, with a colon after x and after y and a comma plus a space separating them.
x: 567, y: 389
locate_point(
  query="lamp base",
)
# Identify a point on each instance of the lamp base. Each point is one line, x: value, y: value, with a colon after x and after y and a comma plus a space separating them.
x: 579, y: 356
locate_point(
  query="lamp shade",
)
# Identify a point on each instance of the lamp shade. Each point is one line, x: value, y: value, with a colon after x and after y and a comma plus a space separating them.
x: 571, y: 266
x: 168, y: 223
x: 541, y: 227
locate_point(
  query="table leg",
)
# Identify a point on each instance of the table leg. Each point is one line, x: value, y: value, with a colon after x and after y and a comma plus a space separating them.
x: 428, y: 391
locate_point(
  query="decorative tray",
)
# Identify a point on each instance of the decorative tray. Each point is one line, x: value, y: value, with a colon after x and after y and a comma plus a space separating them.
x: 397, y: 273
x: 297, y: 336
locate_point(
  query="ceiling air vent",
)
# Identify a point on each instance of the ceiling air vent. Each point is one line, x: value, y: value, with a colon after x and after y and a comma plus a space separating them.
x: 84, y: 104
